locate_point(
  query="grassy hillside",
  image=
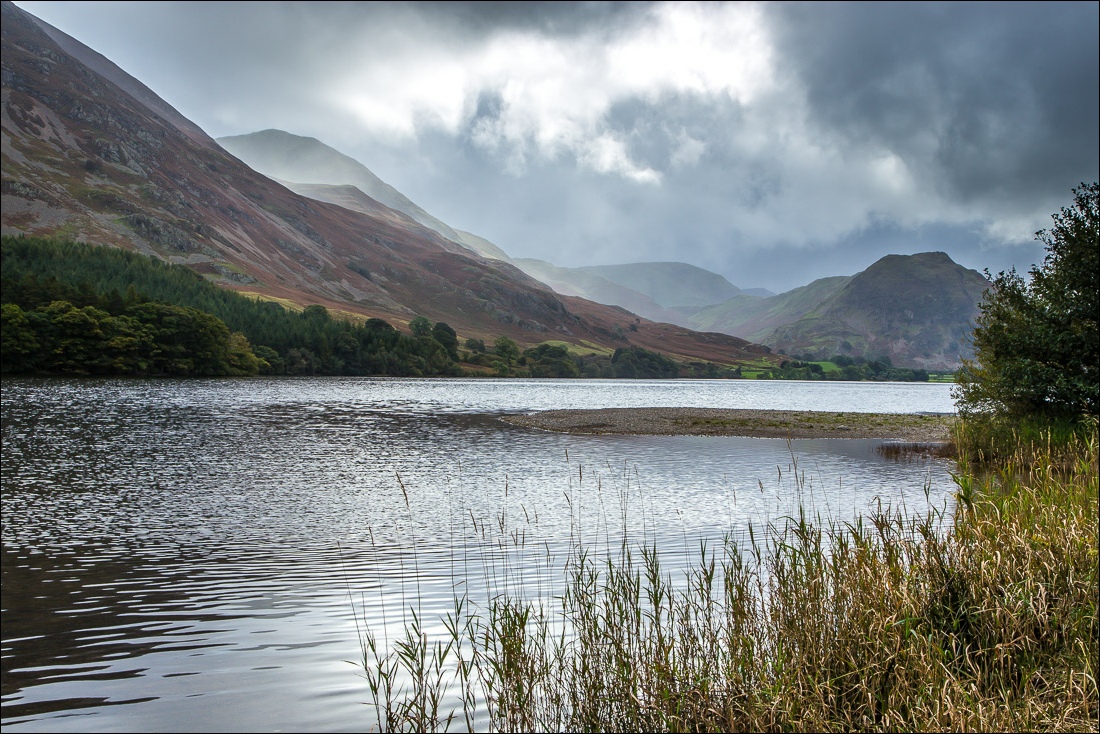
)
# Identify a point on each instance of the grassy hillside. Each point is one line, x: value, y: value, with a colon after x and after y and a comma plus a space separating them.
x: 756, y: 318
x: 103, y: 284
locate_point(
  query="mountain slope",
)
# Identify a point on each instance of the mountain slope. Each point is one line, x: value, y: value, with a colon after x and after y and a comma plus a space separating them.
x: 352, y: 197
x: 312, y: 168
x: 89, y: 153
x: 919, y: 310
x: 756, y: 318
x: 662, y: 291
x: 309, y: 167
x: 669, y: 284
x: 580, y: 282
x: 288, y: 157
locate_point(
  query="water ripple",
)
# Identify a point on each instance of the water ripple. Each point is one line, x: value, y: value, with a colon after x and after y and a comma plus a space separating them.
x: 202, y: 554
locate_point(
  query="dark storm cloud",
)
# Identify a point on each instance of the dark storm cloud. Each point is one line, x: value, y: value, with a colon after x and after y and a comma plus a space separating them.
x: 986, y: 100
x: 554, y: 18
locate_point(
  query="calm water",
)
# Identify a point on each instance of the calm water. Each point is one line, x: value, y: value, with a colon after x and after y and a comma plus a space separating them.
x: 193, y: 555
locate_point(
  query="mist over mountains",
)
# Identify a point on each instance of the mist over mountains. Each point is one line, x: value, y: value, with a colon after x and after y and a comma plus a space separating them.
x: 917, y: 310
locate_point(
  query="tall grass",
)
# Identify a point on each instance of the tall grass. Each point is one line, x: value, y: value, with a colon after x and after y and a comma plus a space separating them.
x: 980, y: 618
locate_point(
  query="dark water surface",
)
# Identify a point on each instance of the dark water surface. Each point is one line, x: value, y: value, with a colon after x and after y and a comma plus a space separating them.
x: 194, y: 555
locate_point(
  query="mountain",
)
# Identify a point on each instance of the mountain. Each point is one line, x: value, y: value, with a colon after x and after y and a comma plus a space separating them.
x: 580, y: 282
x: 351, y: 197
x: 662, y: 291
x: 758, y: 292
x: 481, y: 246
x: 294, y: 158
x: 312, y: 168
x: 669, y: 284
x: 919, y: 310
x: 744, y: 314
x: 89, y: 153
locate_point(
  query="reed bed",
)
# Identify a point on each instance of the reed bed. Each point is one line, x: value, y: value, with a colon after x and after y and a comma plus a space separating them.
x: 983, y: 617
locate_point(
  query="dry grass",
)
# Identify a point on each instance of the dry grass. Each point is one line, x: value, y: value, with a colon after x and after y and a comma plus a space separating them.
x: 984, y: 619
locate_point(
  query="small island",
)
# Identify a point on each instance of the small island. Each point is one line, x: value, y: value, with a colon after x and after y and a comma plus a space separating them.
x: 915, y: 427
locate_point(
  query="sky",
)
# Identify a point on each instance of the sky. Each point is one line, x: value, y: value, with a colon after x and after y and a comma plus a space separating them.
x: 773, y: 143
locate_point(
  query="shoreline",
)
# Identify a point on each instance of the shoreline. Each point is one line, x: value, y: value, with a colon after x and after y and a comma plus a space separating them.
x: 916, y: 427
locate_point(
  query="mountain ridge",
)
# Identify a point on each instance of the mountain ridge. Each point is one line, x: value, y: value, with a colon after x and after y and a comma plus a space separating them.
x: 315, y: 169
x: 669, y: 284
x: 299, y: 159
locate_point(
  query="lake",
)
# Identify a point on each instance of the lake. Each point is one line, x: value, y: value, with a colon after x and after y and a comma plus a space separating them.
x: 194, y: 555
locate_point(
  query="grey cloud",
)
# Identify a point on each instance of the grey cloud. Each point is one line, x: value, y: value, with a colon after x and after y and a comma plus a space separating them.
x: 654, y: 128
x: 555, y: 214
x: 552, y: 18
x: 986, y: 100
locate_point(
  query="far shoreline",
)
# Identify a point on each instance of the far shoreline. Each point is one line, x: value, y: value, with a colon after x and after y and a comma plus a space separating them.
x: 794, y: 424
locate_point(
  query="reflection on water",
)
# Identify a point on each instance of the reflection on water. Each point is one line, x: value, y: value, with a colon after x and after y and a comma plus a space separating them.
x: 193, y: 554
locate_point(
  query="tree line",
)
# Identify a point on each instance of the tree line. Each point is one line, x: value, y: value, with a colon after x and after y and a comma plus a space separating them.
x: 848, y: 369
x: 555, y: 360
x: 76, y: 308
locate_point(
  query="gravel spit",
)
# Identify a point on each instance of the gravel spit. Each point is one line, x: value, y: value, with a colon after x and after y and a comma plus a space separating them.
x: 918, y: 427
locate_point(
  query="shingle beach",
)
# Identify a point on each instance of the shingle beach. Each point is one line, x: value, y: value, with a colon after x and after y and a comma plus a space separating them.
x: 735, y: 422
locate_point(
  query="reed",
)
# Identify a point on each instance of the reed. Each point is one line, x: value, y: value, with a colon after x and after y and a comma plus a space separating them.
x: 981, y: 618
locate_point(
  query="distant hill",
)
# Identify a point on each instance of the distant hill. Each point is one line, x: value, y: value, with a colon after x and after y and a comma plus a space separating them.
x: 669, y: 284
x: 758, y: 292
x: 481, y: 246
x: 586, y: 284
x: 661, y: 291
x: 311, y: 168
x: 287, y: 157
x: 745, y: 314
x: 919, y: 310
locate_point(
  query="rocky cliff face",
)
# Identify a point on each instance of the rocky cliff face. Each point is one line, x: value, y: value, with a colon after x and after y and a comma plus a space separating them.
x: 91, y: 154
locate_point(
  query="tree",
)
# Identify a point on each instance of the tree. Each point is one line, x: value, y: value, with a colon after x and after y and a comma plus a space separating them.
x: 420, y: 327
x: 508, y: 352
x: 241, y: 360
x: 18, y: 343
x: 1036, y: 344
x: 506, y: 349
x: 550, y: 360
x: 445, y: 335
x: 316, y: 312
